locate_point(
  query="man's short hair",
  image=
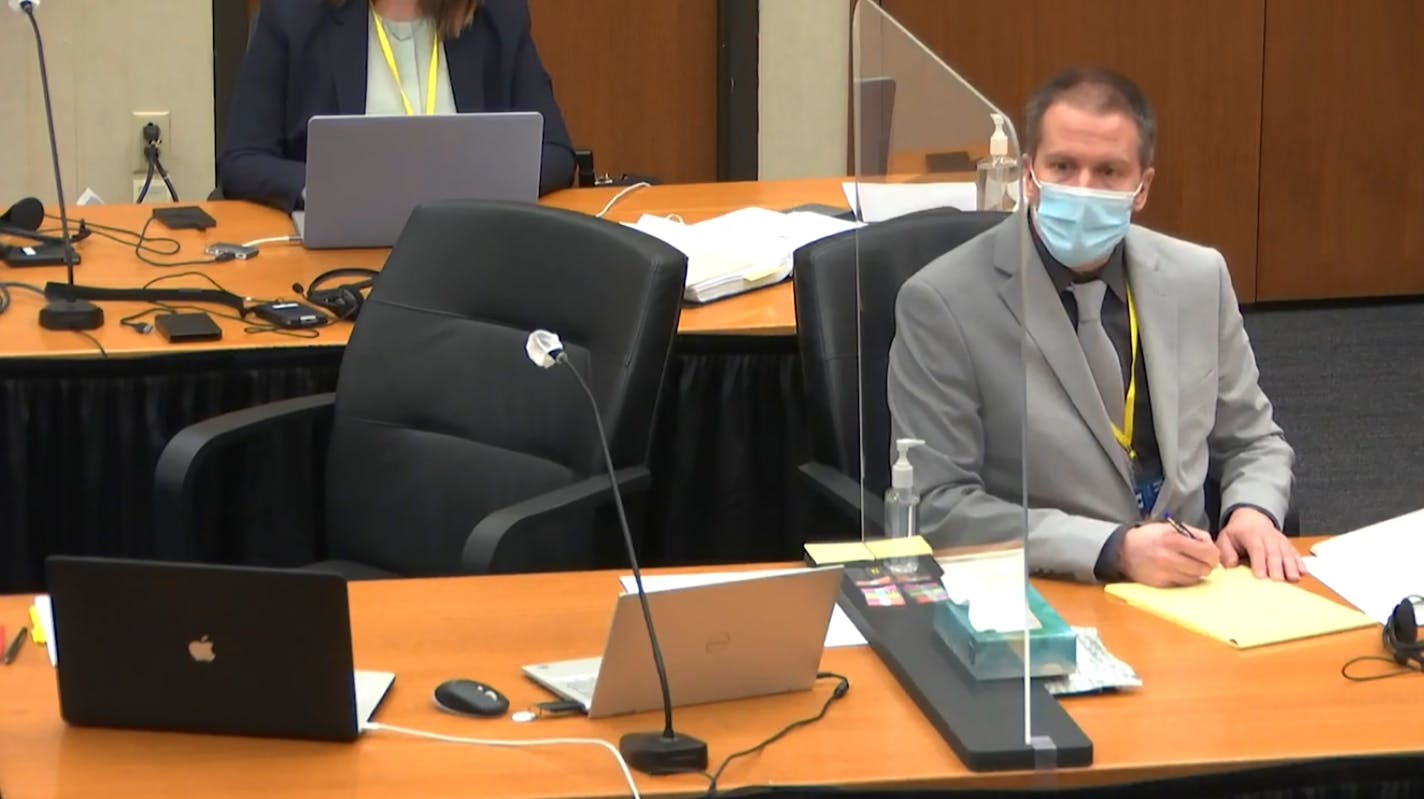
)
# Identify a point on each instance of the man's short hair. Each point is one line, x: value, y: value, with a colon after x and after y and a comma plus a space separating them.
x: 1098, y: 90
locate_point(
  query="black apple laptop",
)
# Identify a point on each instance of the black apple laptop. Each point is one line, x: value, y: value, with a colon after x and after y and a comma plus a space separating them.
x: 213, y: 649
x: 365, y: 174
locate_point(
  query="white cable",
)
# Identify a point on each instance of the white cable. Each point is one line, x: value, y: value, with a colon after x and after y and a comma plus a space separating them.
x: 453, y: 739
x: 273, y: 240
x: 619, y: 196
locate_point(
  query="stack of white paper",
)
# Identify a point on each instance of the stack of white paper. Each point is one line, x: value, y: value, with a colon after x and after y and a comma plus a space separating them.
x: 742, y: 250
x: 1374, y: 567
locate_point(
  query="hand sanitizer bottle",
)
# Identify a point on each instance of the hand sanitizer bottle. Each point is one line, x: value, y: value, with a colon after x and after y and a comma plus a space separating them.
x: 998, y: 178
x: 902, y: 505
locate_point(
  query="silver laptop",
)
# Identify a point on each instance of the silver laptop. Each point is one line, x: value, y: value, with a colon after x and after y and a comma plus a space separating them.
x: 365, y: 174
x: 750, y: 637
x: 215, y: 649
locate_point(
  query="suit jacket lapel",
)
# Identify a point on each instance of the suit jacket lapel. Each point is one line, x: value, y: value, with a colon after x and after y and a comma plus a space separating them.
x: 346, y: 51
x: 1029, y: 294
x: 1157, y: 325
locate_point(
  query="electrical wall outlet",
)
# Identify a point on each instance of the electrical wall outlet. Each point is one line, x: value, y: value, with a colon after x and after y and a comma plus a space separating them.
x: 164, y: 121
x: 157, y: 190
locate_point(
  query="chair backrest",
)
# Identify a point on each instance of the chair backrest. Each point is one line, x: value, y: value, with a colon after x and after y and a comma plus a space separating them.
x: 440, y: 416
x: 845, y: 322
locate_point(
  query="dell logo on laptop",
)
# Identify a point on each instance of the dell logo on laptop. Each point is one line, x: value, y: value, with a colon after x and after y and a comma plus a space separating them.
x: 202, y: 650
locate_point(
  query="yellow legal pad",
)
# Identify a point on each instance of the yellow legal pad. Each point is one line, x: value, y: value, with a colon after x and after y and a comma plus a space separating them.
x: 1233, y: 606
x: 874, y: 549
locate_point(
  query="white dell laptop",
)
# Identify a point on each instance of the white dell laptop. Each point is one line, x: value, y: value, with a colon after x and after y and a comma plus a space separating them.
x: 213, y: 649
x: 748, y: 637
x: 365, y: 174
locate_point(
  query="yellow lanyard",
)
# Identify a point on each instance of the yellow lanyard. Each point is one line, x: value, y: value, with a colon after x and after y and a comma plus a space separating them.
x: 395, y: 72
x: 1124, y: 434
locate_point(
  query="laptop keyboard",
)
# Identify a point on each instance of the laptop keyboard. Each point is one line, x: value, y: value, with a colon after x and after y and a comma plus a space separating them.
x: 581, y: 684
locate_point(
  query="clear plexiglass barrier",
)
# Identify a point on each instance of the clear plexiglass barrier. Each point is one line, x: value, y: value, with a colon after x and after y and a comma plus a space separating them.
x: 943, y: 405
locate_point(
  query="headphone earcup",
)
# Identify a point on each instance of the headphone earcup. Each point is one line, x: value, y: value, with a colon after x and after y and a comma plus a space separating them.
x: 1401, y: 635
x: 351, y: 300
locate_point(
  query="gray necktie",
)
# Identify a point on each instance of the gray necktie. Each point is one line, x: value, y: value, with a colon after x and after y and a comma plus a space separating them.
x: 1102, y: 356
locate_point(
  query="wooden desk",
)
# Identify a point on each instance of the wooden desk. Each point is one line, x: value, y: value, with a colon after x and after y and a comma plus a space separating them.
x: 272, y: 273
x: 1204, y: 707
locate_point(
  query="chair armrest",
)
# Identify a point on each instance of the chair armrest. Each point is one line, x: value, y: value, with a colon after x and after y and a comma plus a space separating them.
x: 845, y: 495
x: 188, y: 450
x: 493, y: 531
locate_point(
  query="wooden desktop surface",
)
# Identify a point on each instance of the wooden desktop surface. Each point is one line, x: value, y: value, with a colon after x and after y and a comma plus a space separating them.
x: 1204, y: 707
x: 107, y: 263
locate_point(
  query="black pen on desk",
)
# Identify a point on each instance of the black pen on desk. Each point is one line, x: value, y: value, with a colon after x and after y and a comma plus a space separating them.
x: 13, y: 649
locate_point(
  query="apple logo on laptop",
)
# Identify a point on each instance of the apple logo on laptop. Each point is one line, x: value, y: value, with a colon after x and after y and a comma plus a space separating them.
x: 202, y: 650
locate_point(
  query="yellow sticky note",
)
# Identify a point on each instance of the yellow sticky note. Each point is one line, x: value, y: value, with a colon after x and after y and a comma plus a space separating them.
x: 37, y: 633
x: 874, y: 549
x: 837, y: 552
x: 1235, y: 607
x: 911, y: 547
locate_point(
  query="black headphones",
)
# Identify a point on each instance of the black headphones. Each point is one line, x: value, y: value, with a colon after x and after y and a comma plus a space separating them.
x: 1401, y: 632
x: 343, y: 301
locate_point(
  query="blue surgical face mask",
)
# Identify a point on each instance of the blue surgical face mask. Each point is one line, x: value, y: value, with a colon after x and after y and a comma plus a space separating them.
x: 1081, y: 226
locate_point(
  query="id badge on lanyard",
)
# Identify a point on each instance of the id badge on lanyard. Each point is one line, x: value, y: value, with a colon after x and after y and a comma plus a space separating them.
x: 1146, y: 491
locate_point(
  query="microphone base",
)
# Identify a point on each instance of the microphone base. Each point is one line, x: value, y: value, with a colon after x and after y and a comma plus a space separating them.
x: 71, y: 315
x: 656, y: 753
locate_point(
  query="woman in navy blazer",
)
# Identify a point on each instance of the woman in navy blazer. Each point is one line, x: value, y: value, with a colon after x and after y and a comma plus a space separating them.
x: 309, y: 57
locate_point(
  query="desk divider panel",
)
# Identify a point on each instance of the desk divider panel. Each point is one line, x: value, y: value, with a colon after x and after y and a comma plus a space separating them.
x: 943, y: 398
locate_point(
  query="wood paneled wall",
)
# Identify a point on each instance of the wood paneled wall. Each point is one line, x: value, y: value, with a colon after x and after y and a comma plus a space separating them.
x: 1342, y: 167
x: 636, y: 81
x: 1199, y: 61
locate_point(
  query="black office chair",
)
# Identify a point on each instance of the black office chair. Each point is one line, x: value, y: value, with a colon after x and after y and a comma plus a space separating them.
x: 450, y: 452
x: 844, y: 326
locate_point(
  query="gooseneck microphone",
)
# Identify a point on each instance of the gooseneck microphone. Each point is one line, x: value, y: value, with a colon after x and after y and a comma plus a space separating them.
x: 649, y: 752
x: 60, y: 313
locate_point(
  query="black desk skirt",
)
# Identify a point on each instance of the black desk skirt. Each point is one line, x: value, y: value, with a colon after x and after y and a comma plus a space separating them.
x: 80, y: 440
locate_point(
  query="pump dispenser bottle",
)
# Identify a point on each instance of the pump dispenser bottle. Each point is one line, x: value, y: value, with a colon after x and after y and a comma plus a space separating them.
x: 997, y: 180
x: 902, y: 504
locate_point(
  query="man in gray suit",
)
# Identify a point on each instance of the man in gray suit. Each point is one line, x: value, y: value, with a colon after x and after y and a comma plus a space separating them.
x: 1128, y: 348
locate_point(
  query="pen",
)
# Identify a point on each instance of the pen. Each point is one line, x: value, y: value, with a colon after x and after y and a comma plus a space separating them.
x: 14, y: 648
x: 1178, y: 526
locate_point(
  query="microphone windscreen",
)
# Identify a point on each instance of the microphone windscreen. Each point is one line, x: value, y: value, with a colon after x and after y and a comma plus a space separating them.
x: 27, y: 213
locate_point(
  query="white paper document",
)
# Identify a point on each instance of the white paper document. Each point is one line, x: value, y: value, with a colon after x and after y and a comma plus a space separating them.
x: 742, y: 250
x: 841, y: 632
x: 881, y: 201
x: 1374, y: 567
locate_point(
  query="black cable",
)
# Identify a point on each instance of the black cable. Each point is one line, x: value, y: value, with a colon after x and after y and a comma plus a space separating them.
x: 143, y: 236
x: 129, y: 238
x: 148, y: 156
x: 842, y: 686
x: 251, y: 329
x: 163, y: 173
x: 1345, y: 669
x: 102, y: 351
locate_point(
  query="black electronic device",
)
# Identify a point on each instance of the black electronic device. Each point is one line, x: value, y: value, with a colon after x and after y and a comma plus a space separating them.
x: 649, y: 752
x: 180, y: 328
x: 470, y: 698
x: 184, y: 217
x: 343, y: 301
x: 289, y: 314
x: 64, y: 312
x: 1401, y: 632
x: 22, y: 255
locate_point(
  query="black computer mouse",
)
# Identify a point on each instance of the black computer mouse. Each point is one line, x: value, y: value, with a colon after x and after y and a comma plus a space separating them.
x: 470, y: 698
